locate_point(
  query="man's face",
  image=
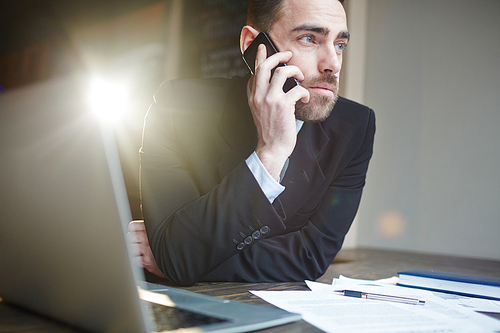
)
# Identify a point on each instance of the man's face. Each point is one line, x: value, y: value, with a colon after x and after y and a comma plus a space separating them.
x: 316, y: 33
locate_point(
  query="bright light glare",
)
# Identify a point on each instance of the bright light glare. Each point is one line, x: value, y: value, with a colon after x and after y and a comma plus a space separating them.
x: 108, y: 100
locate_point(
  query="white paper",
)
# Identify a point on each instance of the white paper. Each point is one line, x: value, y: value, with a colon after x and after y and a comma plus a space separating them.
x: 347, y: 280
x: 335, y: 313
x: 474, y: 303
x: 315, y: 286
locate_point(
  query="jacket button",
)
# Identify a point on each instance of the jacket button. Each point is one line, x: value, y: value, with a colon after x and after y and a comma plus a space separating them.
x: 249, y: 240
x: 265, y: 230
x: 256, y: 234
x: 240, y: 246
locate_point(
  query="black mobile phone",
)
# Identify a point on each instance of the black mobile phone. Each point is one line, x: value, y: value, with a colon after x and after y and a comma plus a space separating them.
x: 251, y: 53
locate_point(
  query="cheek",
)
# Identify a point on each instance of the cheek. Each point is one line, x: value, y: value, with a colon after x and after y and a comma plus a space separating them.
x: 306, y: 64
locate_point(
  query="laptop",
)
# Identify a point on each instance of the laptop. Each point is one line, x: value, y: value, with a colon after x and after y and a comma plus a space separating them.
x: 64, y: 214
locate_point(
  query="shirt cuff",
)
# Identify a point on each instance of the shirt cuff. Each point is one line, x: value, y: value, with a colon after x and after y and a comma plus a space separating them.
x: 267, y: 183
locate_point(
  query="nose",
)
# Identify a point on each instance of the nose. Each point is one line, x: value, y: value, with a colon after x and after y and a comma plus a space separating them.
x: 330, y: 61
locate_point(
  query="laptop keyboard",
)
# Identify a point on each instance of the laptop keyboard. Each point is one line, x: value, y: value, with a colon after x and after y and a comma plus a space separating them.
x: 171, y: 318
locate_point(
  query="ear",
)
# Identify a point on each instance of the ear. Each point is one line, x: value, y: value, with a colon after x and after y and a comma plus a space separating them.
x: 247, y: 35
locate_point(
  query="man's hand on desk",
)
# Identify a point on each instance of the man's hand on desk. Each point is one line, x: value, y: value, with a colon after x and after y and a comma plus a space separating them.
x: 139, y: 243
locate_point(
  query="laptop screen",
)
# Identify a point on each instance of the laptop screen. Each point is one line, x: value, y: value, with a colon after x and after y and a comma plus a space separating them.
x: 64, y: 214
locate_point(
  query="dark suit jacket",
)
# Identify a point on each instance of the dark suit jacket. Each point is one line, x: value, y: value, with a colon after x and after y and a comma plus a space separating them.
x: 207, y: 218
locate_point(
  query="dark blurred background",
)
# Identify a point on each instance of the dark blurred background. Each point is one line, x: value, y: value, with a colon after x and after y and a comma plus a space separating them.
x: 137, y: 42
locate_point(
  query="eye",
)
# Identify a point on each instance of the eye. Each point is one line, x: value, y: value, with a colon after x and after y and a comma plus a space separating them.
x: 340, y: 47
x: 308, y: 39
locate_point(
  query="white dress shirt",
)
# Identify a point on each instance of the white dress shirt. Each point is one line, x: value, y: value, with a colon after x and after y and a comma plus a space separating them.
x: 267, y: 183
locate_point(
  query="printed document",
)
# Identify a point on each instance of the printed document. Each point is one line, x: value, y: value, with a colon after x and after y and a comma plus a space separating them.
x: 336, y: 313
x: 473, y: 303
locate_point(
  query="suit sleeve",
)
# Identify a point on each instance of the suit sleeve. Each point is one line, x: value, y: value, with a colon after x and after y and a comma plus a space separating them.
x: 307, y: 252
x: 192, y: 232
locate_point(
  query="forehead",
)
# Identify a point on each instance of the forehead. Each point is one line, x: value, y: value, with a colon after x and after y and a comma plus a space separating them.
x: 325, y: 13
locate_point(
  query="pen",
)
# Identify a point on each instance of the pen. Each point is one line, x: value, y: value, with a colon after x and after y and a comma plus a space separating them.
x: 380, y: 297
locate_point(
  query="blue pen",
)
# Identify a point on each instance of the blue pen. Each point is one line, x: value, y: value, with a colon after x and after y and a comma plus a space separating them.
x: 380, y: 297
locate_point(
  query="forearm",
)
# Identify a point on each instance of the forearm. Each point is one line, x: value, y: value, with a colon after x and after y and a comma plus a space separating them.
x: 313, y: 235
x: 197, y: 237
x: 301, y: 253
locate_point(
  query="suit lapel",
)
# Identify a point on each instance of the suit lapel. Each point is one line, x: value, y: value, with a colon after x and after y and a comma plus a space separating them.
x: 304, y: 174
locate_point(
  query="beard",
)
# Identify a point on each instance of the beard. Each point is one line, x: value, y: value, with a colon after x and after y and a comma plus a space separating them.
x: 319, y: 107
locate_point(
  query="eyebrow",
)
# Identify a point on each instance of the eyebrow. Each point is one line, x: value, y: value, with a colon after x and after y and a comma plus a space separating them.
x: 312, y: 28
x: 344, y: 34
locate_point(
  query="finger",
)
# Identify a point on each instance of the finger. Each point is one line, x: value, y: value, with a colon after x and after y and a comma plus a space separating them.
x: 274, y: 60
x: 135, y: 249
x: 147, y: 258
x: 148, y: 261
x: 137, y: 237
x: 136, y: 226
x: 263, y: 72
x: 136, y: 234
x: 261, y: 75
x: 281, y: 74
x: 261, y: 55
x: 131, y: 239
x: 299, y: 92
x: 138, y: 261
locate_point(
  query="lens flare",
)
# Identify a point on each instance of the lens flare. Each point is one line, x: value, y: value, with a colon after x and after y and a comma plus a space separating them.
x: 108, y: 100
x: 391, y: 224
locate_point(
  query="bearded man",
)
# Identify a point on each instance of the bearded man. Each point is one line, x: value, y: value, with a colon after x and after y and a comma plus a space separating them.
x: 241, y: 181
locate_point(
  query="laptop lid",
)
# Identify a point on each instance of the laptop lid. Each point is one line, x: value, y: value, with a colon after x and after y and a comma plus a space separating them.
x: 64, y: 213
x: 61, y: 241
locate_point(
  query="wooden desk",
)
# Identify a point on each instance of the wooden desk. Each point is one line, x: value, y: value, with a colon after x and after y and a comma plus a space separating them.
x: 356, y: 263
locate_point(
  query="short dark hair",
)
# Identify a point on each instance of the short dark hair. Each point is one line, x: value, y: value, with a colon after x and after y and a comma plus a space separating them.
x: 262, y: 14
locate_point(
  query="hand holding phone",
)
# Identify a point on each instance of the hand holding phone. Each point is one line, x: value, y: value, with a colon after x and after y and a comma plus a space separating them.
x: 251, y: 53
x: 273, y: 111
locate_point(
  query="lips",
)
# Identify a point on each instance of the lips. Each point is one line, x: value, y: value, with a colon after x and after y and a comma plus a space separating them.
x: 323, y: 89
